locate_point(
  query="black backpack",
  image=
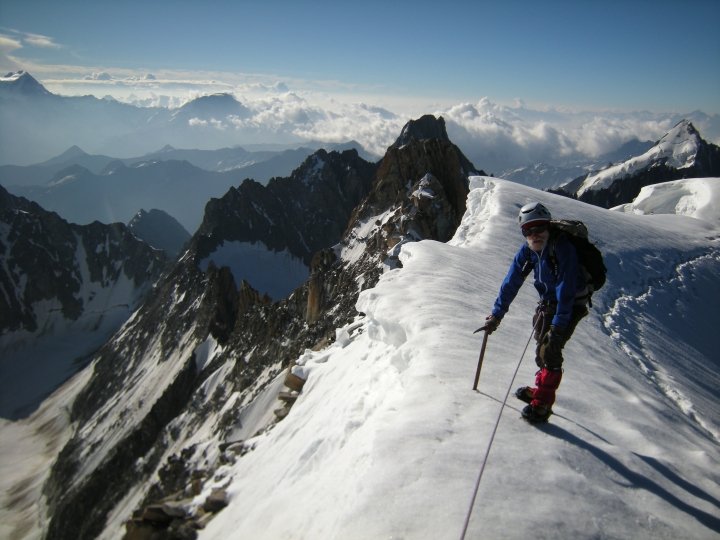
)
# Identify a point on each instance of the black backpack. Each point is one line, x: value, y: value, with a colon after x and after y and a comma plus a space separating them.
x: 589, y: 256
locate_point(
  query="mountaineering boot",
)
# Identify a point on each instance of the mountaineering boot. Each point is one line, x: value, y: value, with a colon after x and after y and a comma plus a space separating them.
x: 536, y: 414
x: 525, y: 393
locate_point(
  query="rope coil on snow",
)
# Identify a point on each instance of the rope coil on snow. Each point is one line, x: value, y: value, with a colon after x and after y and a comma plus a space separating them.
x: 492, y: 436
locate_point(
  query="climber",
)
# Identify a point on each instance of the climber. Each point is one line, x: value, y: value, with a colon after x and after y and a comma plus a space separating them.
x: 564, y: 292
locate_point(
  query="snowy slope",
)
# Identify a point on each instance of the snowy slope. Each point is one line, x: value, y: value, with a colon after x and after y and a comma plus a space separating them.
x: 34, y: 364
x: 387, y: 438
x: 696, y: 197
x: 678, y: 148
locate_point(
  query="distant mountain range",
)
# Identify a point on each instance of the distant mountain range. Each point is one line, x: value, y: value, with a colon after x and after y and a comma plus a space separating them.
x: 680, y: 153
x: 118, y: 192
x: 259, y: 165
x: 84, y: 188
x: 35, y: 123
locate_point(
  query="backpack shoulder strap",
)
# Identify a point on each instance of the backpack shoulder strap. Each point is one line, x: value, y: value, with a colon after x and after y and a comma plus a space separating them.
x: 552, y: 257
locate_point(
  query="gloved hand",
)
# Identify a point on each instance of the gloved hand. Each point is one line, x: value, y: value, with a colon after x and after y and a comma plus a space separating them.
x: 551, y: 348
x: 491, y: 324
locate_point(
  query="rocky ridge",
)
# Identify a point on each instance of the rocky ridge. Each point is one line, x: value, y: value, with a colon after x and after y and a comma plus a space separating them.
x: 175, y: 393
x: 302, y: 213
x: 159, y: 230
x: 62, y: 282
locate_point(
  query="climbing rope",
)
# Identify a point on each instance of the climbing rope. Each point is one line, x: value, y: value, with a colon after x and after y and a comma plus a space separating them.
x: 495, y: 428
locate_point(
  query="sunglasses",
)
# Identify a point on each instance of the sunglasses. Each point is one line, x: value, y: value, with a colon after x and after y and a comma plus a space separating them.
x: 539, y: 229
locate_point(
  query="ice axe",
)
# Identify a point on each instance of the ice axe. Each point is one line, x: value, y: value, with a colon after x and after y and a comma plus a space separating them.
x: 482, y: 354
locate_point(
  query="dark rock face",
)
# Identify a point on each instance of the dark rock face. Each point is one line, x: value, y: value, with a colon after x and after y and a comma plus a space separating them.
x: 303, y: 213
x: 152, y: 387
x: 424, y: 128
x: 160, y: 230
x: 41, y: 250
x: 418, y: 193
x: 61, y: 283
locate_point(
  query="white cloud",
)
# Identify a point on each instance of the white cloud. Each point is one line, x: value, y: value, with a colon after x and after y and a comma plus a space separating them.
x: 372, y: 127
x: 495, y: 137
x: 12, y: 40
x: 102, y: 76
x: 38, y: 40
x: 8, y: 45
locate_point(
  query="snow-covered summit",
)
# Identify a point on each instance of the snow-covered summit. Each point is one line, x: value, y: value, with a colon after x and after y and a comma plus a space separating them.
x: 678, y: 149
x: 12, y: 76
x: 22, y: 83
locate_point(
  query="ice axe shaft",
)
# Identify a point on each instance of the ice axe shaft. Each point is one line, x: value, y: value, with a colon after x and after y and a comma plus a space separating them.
x: 482, y: 355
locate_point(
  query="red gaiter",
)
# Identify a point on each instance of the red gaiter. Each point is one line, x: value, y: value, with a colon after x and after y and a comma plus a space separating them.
x: 547, y: 383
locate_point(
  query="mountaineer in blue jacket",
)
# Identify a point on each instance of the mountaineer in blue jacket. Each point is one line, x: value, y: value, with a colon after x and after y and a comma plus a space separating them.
x: 563, y: 290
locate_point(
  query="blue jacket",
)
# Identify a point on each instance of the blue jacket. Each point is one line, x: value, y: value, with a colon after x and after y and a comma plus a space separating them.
x: 562, y: 287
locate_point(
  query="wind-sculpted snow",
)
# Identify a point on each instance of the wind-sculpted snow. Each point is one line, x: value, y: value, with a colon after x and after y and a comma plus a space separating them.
x: 695, y: 197
x: 673, y: 321
x: 387, y: 437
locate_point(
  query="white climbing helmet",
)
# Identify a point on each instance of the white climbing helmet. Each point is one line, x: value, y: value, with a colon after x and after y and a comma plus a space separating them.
x: 533, y: 214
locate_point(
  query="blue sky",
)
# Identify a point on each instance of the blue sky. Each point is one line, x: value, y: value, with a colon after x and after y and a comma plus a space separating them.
x: 622, y: 55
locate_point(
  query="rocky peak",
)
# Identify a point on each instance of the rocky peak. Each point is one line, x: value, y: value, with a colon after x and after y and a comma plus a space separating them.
x: 404, y: 165
x: 160, y: 230
x: 418, y: 193
x: 298, y: 215
x: 684, y: 129
x: 22, y: 83
x: 679, y: 146
x: 424, y: 128
x: 72, y: 153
